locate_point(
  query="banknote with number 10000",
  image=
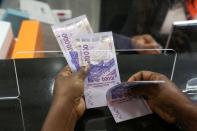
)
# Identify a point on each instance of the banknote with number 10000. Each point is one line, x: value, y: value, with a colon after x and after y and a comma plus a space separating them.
x: 98, y: 51
x: 66, y: 34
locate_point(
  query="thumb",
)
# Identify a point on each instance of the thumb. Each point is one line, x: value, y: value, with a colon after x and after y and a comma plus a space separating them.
x: 140, y: 90
x: 82, y: 73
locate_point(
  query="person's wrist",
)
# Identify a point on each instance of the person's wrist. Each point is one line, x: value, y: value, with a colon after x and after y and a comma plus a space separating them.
x: 66, y: 103
x: 187, y: 116
x: 63, y: 96
x: 185, y: 109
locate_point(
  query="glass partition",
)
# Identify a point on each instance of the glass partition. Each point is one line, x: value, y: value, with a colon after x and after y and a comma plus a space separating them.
x: 8, y: 82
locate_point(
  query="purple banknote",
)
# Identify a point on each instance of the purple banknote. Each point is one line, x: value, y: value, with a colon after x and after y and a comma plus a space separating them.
x: 123, y: 105
x: 66, y: 34
x: 97, y: 50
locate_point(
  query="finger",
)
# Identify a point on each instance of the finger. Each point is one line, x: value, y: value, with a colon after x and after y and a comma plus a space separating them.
x: 134, y: 38
x: 66, y: 71
x: 154, y: 48
x: 141, y: 76
x: 151, y: 46
x: 136, y: 92
x: 151, y: 41
x: 147, y: 90
x: 149, y: 52
x: 138, y: 40
x: 152, y: 52
x: 157, y: 51
x: 157, y: 48
x: 148, y: 38
x: 82, y: 73
x: 162, y: 113
x: 81, y: 108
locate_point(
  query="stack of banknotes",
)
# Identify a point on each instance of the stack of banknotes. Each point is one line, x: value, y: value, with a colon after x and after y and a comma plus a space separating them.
x: 83, y: 47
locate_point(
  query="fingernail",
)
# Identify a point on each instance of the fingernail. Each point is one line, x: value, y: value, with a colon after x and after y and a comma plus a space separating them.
x: 87, y: 67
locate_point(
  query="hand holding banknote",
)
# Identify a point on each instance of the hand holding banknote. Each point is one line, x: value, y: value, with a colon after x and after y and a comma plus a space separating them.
x: 166, y: 100
x: 68, y: 104
x: 70, y: 86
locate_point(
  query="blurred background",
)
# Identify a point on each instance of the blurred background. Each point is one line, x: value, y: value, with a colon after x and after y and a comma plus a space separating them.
x: 128, y: 18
